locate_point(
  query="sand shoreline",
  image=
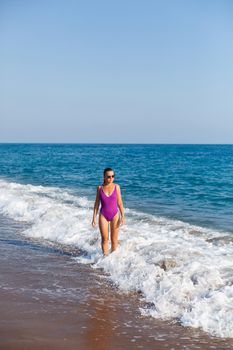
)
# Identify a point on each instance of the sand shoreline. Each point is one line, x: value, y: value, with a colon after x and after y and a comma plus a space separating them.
x: 49, y: 301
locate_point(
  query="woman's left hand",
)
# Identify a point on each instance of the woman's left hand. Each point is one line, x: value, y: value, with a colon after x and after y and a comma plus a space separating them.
x: 122, y: 221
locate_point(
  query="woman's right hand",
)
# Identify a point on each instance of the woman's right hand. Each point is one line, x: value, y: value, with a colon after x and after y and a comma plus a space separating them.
x: 93, y: 222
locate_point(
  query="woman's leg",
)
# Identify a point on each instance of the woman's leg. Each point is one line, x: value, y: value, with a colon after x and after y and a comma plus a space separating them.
x: 103, y: 226
x: 114, y: 226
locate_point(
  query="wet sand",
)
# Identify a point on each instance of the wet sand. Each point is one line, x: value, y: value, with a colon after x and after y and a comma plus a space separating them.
x: 49, y: 301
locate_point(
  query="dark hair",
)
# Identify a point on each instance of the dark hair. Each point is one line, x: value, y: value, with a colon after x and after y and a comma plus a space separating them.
x: 107, y: 169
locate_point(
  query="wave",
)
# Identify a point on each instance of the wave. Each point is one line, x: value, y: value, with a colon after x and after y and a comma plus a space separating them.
x: 181, y: 271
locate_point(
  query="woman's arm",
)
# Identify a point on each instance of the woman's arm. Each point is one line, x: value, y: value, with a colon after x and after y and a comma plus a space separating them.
x: 96, y: 207
x: 120, y: 204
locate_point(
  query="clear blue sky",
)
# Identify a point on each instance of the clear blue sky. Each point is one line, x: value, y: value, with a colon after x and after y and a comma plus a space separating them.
x: 116, y: 71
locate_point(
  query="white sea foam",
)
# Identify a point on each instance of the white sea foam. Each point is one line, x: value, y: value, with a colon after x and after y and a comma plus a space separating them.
x: 182, y: 271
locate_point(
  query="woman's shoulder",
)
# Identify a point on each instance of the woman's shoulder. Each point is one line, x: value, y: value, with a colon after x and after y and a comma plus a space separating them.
x: 118, y: 189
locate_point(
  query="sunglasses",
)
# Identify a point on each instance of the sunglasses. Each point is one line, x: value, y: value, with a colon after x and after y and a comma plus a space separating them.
x: 109, y: 176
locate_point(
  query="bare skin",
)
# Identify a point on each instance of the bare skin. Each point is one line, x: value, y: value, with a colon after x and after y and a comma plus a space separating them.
x: 116, y: 222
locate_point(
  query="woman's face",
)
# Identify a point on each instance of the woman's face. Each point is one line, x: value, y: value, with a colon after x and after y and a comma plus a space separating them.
x: 109, y: 177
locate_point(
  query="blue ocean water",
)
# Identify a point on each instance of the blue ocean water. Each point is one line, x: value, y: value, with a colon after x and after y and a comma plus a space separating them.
x: 176, y: 246
x: 192, y: 183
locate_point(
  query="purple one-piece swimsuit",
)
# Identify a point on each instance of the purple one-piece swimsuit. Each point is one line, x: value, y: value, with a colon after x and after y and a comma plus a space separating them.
x: 108, y: 204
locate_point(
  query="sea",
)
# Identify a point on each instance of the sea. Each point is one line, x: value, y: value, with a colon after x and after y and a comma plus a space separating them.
x: 176, y: 246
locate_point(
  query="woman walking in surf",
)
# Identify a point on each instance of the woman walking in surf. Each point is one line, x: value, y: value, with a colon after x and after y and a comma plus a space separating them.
x: 109, y: 194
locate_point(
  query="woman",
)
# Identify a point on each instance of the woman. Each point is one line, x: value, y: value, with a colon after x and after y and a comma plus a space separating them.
x: 109, y: 195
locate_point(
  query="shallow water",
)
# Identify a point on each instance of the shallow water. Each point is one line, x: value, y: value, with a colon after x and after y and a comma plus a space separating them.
x: 182, y: 271
x: 48, y: 299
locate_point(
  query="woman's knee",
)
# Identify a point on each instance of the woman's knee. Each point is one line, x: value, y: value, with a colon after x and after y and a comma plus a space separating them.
x: 104, y: 239
x: 114, y: 234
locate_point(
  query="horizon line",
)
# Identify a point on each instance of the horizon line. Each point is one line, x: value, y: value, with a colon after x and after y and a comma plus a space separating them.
x: 110, y: 143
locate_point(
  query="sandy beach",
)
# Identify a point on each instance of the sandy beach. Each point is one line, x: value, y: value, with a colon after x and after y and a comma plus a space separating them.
x: 49, y: 301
